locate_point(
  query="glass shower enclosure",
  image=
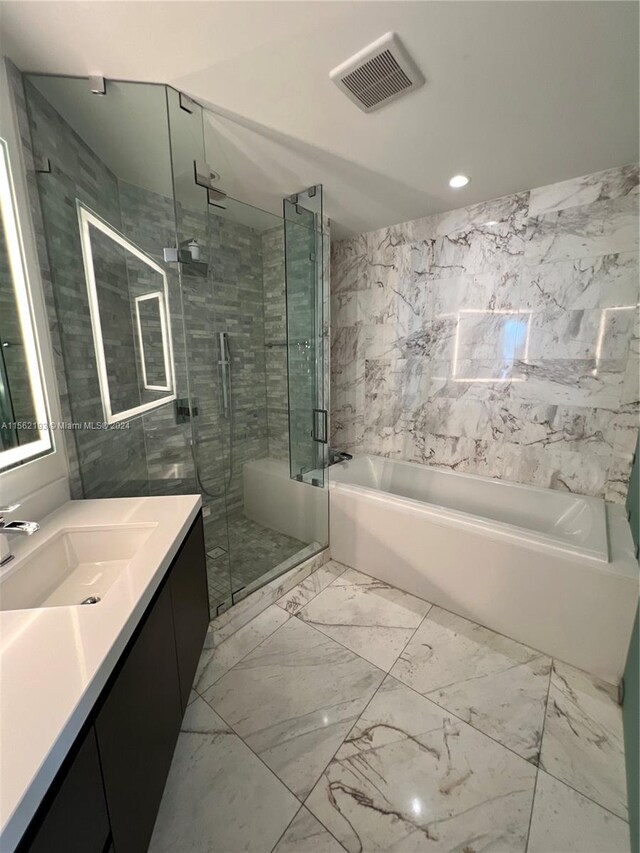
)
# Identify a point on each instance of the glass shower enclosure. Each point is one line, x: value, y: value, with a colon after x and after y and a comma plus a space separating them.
x: 192, y: 325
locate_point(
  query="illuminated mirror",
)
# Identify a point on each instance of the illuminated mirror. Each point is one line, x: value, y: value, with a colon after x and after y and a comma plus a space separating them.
x: 153, y: 341
x: 129, y: 304
x: 24, y: 429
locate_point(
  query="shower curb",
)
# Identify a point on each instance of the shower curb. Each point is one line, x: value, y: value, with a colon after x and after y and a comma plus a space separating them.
x: 225, y: 625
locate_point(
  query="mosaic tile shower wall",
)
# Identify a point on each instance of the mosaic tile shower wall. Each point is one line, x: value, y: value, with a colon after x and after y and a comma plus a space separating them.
x: 275, y: 333
x: 500, y: 339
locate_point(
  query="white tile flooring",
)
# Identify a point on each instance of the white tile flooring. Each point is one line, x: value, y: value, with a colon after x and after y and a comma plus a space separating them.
x: 352, y: 716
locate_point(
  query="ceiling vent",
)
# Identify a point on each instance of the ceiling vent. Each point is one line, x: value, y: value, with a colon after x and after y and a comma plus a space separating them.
x: 379, y: 74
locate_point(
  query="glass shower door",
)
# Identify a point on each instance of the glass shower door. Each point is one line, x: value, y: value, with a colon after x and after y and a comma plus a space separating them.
x: 306, y: 246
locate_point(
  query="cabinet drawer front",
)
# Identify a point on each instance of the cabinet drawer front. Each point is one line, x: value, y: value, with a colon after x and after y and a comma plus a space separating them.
x: 76, y: 821
x: 190, y: 596
x: 137, y: 728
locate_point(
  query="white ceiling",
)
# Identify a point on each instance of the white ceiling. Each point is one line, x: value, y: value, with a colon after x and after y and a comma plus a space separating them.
x: 518, y: 94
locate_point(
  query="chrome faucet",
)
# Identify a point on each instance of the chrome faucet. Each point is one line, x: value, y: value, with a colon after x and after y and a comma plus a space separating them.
x: 20, y: 528
x: 336, y: 456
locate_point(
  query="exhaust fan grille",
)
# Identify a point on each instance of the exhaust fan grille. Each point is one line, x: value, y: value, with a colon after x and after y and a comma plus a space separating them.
x: 380, y: 73
x: 377, y: 80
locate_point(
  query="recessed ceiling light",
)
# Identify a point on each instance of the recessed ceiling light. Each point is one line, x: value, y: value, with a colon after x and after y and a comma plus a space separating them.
x: 458, y: 181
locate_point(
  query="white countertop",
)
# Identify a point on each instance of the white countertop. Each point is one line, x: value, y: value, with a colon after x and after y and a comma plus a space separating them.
x: 54, y: 661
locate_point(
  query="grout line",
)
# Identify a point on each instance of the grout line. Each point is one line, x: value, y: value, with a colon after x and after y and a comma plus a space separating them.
x: 533, y: 802
x: 287, y: 826
x: 302, y: 806
x: 557, y: 778
x: 535, y: 784
x: 341, y: 744
x: 327, y: 637
x: 264, y: 639
x: 250, y: 748
x: 431, y: 606
x: 582, y: 794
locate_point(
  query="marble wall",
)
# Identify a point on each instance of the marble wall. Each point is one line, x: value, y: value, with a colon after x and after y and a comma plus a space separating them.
x: 500, y: 339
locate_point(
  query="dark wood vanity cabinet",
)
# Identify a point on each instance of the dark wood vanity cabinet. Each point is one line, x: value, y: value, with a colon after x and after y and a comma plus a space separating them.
x: 137, y: 728
x: 109, y: 788
x: 75, y: 818
x: 190, y: 599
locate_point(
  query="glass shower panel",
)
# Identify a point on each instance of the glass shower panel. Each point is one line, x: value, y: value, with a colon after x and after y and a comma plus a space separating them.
x: 201, y: 409
x: 109, y: 157
x: 305, y: 239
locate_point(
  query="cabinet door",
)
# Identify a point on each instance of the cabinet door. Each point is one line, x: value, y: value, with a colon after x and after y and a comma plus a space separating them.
x: 76, y: 820
x: 190, y: 596
x: 137, y: 728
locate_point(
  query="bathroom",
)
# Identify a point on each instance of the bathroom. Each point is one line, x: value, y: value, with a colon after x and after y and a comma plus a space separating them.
x: 319, y: 490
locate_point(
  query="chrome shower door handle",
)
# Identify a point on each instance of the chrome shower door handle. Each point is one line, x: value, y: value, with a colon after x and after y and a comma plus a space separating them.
x: 323, y: 437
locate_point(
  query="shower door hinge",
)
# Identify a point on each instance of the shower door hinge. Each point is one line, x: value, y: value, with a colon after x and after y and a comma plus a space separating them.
x: 97, y: 84
x: 42, y: 165
x: 204, y: 175
x: 216, y: 197
x: 186, y: 103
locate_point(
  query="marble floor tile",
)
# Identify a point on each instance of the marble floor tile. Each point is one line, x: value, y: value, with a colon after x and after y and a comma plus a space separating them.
x: 493, y: 683
x: 583, y: 740
x: 227, y: 654
x: 564, y: 820
x: 366, y: 615
x: 293, y: 699
x: 307, y: 835
x: 219, y: 797
x: 411, y: 778
x: 205, y: 656
x: 301, y: 594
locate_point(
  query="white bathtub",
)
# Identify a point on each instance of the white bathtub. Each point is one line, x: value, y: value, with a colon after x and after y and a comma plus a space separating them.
x: 551, y: 569
x: 274, y: 500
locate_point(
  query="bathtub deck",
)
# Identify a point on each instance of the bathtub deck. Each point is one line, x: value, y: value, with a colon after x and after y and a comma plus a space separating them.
x: 352, y: 716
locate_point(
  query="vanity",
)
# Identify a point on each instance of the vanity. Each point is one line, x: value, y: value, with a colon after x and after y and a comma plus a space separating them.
x: 93, y: 694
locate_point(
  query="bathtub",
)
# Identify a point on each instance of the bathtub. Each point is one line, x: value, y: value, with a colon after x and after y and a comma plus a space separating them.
x: 551, y: 569
x: 274, y: 500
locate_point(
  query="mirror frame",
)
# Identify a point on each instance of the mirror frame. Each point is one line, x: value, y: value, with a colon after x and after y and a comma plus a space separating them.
x: 87, y: 218
x: 10, y: 223
x: 146, y: 297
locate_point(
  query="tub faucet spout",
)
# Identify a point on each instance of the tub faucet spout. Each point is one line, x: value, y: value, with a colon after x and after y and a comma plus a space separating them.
x: 336, y: 456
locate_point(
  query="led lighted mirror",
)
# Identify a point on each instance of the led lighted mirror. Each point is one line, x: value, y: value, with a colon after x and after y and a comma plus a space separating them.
x: 24, y: 431
x: 153, y: 341
x: 129, y: 304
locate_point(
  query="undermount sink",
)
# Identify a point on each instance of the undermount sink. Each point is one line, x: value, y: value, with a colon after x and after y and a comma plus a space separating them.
x: 76, y: 566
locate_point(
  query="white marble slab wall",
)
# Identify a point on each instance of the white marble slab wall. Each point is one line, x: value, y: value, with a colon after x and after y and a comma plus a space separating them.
x: 500, y: 339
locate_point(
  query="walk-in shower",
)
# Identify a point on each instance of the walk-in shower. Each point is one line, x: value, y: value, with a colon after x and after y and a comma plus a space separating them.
x: 196, y: 320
